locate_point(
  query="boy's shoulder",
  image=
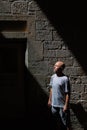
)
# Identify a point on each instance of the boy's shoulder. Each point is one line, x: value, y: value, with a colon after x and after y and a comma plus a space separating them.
x: 53, y: 75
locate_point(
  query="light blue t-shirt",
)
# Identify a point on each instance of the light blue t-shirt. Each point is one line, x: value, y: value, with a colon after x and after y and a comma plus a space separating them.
x: 60, y: 86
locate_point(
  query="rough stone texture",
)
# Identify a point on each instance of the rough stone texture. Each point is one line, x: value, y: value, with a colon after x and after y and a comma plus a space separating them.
x: 19, y: 7
x: 45, y: 46
x: 5, y: 7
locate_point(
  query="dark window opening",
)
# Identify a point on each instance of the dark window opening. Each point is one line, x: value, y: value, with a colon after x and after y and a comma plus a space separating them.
x: 13, y: 26
x: 12, y: 61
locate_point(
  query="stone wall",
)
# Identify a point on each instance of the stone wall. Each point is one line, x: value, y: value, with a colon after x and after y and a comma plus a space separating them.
x: 50, y: 37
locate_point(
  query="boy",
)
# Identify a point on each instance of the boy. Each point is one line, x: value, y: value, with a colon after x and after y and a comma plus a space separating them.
x: 60, y: 95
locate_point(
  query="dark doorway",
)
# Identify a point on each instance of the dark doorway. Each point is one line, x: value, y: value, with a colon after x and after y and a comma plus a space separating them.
x: 12, y: 61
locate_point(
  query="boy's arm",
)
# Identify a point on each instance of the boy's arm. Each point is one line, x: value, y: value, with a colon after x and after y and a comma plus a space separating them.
x: 67, y: 98
x: 50, y: 97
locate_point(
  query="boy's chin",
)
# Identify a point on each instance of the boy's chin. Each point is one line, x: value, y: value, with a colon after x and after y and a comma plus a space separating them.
x: 55, y: 71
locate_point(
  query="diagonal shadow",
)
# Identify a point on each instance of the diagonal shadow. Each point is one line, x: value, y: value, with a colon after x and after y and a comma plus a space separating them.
x: 80, y: 114
x: 70, y: 22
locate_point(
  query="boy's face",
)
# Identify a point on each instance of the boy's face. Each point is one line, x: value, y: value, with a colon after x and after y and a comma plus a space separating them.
x: 58, y: 67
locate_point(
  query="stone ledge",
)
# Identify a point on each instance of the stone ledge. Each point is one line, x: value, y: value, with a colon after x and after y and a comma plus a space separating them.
x: 14, y: 34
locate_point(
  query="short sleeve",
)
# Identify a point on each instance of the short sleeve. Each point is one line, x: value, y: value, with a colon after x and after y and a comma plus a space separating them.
x: 67, y: 86
x: 51, y: 82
